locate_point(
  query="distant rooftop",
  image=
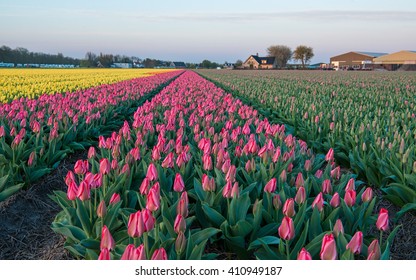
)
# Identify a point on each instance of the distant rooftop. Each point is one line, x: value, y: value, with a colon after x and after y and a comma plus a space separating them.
x: 373, y: 54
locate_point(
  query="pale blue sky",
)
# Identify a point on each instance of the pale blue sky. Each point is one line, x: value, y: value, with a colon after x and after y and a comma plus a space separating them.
x: 218, y: 30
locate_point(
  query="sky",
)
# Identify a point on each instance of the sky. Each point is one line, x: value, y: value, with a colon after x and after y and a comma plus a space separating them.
x: 217, y: 30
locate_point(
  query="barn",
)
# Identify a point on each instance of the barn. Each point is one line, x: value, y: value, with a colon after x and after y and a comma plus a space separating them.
x: 356, y: 60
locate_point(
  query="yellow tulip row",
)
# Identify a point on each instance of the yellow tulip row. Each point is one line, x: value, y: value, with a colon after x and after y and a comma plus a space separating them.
x: 31, y: 83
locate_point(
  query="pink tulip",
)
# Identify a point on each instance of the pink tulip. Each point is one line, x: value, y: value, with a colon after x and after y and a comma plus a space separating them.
x: 374, y: 251
x: 383, y: 220
x: 180, y: 224
x: 180, y: 243
x: 226, y: 191
x: 300, y: 195
x: 178, y: 184
x: 70, y: 178
x: 207, y: 162
x: 350, y: 197
x: 367, y: 195
x: 101, y: 209
x: 169, y: 161
x: 300, y: 182
x: 31, y: 159
x: 277, y: 203
x: 153, y: 200
x: 144, y: 187
x: 107, y: 241
x: 350, y: 185
x: 226, y: 166
x: 335, y: 200
x: 318, y: 202
x: 148, y: 220
x: 271, y: 186
x: 182, y: 207
x: 308, y: 165
x: 304, y: 255
x: 104, y: 255
x: 2, y: 133
x: 336, y: 173
x: 338, y: 228
x: 287, y: 229
x: 289, y: 208
x: 283, y: 176
x: 72, y: 191
x: 235, y: 191
x: 355, y: 243
x: 330, y: 155
x: 104, y: 166
x: 231, y: 174
x: 318, y: 173
x: 159, y: 254
x: 135, y: 152
x: 91, y: 152
x: 151, y: 172
x: 83, y: 191
x: 328, y: 248
x: 114, y: 198
x: 326, y: 186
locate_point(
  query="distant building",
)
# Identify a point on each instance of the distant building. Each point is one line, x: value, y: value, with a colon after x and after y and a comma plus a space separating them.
x: 228, y: 65
x: 178, y: 65
x: 354, y: 60
x: 121, y: 65
x: 402, y: 60
x: 316, y: 66
x: 258, y: 62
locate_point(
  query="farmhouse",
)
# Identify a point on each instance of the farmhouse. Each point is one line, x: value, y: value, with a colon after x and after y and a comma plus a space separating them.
x: 402, y: 60
x: 178, y: 64
x: 354, y: 60
x: 257, y: 62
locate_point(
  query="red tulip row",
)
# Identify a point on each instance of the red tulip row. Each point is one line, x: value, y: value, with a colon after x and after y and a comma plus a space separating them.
x: 198, y: 167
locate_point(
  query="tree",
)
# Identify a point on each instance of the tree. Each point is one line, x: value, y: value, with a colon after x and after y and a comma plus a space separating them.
x: 238, y: 63
x: 303, y: 54
x: 281, y: 53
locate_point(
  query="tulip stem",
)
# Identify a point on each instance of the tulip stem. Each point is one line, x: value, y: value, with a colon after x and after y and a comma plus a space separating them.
x: 287, y: 250
x: 146, y: 244
x: 381, y: 238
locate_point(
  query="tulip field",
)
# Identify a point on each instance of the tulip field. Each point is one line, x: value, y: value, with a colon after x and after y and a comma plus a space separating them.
x: 369, y: 119
x: 258, y: 165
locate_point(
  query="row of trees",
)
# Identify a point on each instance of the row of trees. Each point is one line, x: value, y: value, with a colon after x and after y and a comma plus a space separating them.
x: 23, y: 56
x: 284, y: 53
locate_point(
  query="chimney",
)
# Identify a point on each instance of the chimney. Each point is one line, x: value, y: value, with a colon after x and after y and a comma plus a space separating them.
x: 257, y: 54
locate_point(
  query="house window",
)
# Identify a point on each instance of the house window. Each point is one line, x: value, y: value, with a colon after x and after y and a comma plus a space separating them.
x: 264, y: 61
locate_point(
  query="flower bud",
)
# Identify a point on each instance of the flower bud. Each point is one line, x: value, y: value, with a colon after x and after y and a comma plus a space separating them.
x: 104, y: 166
x: 289, y: 208
x: 350, y: 185
x: 271, y: 186
x: 335, y: 200
x: 355, y: 243
x: 287, y: 229
x: 159, y: 254
x: 326, y: 186
x: 338, y: 228
x: 180, y: 243
x: 383, y: 220
x: 318, y: 202
x: 178, y: 184
x: 367, y: 195
x: 107, y: 241
x: 350, y: 197
x: 300, y: 195
x: 101, y: 209
x: 114, y: 198
x: 374, y: 251
x: 304, y: 255
x: 328, y: 248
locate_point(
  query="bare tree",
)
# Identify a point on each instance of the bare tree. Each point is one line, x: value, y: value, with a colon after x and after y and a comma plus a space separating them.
x: 303, y: 54
x: 281, y: 53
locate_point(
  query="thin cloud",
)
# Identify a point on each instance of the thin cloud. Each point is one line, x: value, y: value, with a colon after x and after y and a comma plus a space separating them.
x: 314, y: 15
